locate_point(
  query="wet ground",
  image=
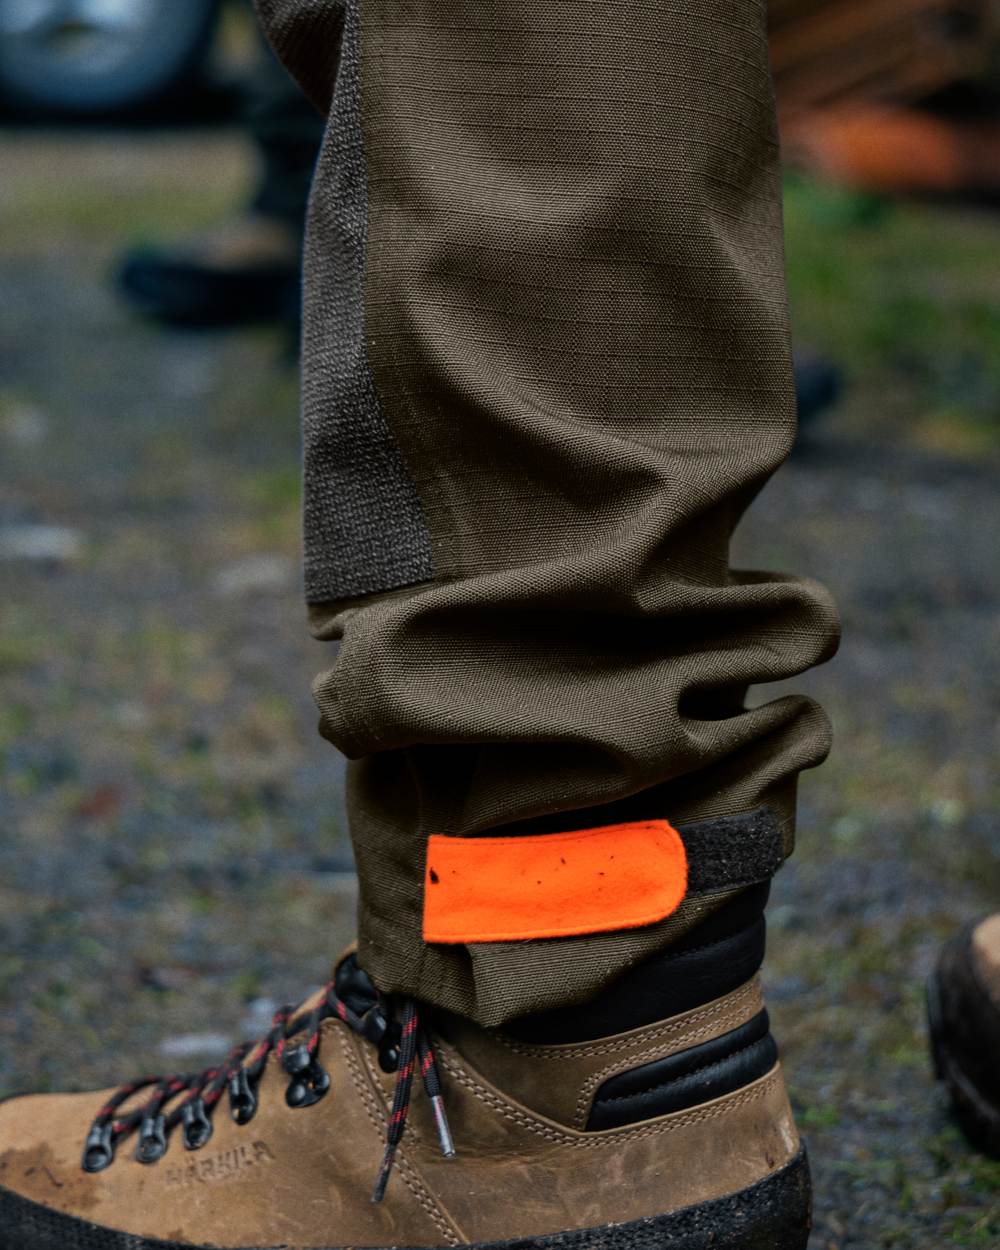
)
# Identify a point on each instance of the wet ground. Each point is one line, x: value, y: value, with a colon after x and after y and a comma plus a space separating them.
x: 173, y: 858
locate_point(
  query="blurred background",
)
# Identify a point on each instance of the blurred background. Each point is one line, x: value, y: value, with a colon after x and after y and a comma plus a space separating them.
x: 173, y: 858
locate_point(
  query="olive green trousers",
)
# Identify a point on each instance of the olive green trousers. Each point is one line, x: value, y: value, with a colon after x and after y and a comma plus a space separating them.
x: 546, y: 369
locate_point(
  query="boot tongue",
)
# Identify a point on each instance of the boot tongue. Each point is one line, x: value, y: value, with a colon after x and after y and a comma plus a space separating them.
x: 354, y: 986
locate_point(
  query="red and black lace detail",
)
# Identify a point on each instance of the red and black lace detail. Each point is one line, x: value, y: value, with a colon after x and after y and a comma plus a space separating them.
x: 403, y: 1046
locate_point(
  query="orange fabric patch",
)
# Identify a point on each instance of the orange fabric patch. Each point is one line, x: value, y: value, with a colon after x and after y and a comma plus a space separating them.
x: 554, y: 884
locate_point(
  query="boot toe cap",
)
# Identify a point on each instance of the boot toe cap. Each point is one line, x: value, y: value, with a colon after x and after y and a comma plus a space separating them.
x: 41, y: 1146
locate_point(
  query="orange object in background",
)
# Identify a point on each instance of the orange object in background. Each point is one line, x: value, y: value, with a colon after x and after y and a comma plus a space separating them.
x: 856, y: 82
x: 897, y: 150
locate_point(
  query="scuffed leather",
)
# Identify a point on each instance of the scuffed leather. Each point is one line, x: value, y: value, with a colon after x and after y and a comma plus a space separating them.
x: 303, y: 1178
x: 985, y: 948
x: 560, y: 1081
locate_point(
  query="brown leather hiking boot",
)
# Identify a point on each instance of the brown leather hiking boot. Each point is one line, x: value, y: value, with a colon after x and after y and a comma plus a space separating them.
x: 643, y: 1119
x: 963, y: 1000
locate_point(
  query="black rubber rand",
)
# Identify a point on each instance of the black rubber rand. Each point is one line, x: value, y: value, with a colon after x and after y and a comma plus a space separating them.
x: 773, y: 1214
x: 696, y: 1075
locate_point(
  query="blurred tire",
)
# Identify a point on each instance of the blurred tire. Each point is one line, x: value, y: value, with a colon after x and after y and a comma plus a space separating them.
x: 101, y: 58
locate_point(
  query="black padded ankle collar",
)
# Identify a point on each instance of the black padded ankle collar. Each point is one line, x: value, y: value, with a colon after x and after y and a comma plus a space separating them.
x: 715, y: 958
x: 686, y: 1079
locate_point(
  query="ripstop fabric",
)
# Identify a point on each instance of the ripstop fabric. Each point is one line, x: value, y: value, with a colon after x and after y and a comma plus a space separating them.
x: 546, y: 369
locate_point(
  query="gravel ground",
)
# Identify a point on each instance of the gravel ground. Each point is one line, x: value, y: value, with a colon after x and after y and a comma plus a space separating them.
x: 173, y: 859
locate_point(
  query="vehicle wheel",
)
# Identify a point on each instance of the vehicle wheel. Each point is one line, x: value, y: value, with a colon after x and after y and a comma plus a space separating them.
x: 87, y: 58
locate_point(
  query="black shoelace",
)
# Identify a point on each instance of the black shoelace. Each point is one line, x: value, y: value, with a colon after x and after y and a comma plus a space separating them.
x: 402, y: 1045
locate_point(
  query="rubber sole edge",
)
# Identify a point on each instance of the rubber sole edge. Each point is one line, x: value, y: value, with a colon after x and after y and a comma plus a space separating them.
x: 773, y: 1214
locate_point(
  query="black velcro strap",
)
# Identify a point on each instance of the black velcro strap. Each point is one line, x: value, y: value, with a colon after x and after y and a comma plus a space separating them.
x: 732, y: 850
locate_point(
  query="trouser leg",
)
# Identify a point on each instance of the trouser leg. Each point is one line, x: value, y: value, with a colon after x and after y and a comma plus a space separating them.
x: 546, y: 369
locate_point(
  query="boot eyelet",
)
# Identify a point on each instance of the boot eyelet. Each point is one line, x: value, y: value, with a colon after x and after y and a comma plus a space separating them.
x: 99, y: 1150
x: 388, y: 1058
x: 310, y: 1081
x: 242, y: 1099
x: 152, y: 1140
x: 388, y: 1046
x: 374, y: 1025
x: 198, y: 1127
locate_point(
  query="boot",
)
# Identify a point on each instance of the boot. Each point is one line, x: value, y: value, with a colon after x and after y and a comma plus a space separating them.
x: 244, y: 271
x: 963, y: 1000
x: 655, y: 1115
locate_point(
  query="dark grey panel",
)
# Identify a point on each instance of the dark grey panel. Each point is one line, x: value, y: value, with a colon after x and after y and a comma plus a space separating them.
x: 364, y: 526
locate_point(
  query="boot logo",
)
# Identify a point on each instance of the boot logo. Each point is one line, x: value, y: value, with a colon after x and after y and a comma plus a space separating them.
x: 221, y: 1166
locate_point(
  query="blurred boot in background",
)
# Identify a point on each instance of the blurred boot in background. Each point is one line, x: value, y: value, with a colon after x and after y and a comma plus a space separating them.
x: 246, y: 269
x: 963, y: 999
x: 818, y: 385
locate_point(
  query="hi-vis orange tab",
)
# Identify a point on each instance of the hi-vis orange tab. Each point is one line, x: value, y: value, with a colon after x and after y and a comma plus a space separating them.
x: 482, y: 889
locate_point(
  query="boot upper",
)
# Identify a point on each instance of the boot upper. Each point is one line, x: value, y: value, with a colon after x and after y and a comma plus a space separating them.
x: 526, y: 1161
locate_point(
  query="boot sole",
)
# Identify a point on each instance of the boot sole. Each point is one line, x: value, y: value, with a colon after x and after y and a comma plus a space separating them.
x: 773, y: 1214
x: 976, y: 1115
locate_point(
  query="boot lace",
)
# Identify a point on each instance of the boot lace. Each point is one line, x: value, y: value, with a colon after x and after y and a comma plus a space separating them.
x: 393, y: 1026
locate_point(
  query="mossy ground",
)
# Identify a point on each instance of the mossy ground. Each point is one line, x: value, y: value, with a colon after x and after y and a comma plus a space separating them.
x: 173, y: 858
